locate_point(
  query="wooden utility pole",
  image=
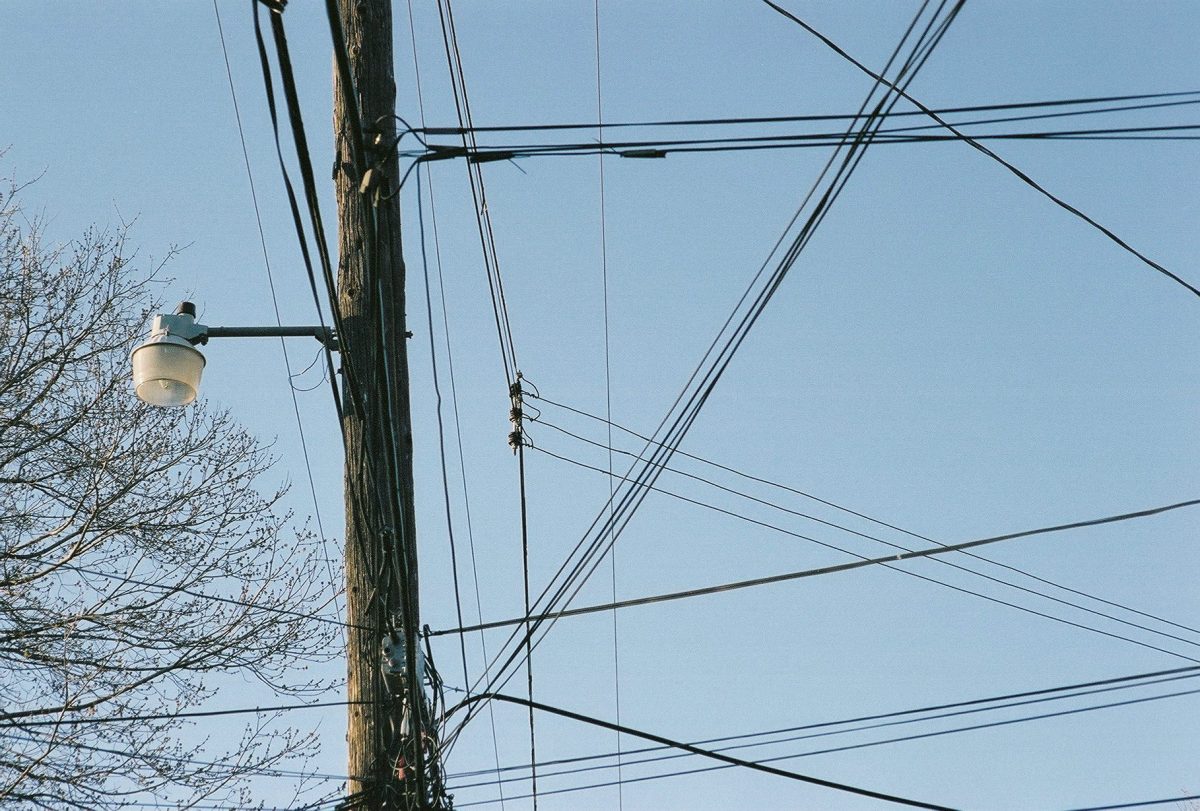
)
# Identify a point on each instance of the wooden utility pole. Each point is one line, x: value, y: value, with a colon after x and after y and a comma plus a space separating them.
x: 392, y: 757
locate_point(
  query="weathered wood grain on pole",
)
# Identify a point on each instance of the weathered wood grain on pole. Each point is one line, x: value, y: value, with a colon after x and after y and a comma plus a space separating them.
x: 381, y: 565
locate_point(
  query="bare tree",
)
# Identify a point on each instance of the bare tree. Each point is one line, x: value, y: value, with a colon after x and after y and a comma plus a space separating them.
x: 119, y: 525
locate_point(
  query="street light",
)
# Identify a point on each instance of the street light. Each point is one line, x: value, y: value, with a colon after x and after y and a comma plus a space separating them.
x: 167, y: 366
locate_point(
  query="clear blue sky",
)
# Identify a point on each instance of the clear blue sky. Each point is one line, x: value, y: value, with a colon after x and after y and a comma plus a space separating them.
x: 952, y: 354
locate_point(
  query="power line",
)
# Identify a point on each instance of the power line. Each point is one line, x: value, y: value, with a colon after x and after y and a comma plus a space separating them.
x: 287, y: 364
x: 730, y: 761
x: 7, y: 721
x: 1076, y: 689
x: 608, y: 393
x: 453, y: 387
x: 839, y: 507
x: 939, y: 733
x: 787, y: 119
x: 661, y: 148
x: 588, y: 555
x: 889, y: 563
x: 876, y: 539
x: 483, y: 215
x: 898, y: 739
x: 1024, y: 178
x: 841, y: 567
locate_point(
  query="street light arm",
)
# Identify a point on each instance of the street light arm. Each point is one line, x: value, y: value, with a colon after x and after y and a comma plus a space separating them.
x: 325, y: 335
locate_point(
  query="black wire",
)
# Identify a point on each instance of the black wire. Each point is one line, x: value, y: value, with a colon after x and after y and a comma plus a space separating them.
x: 798, y: 118
x: 1129, y: 682
x: 389, y: 506
x: 478, y: 194
x: 616, y: 649
x: 849, y: 511
x: 312, y: 486
x: 699, y: 395
x: 906, y: 738
x: 636, y: 491
x: 731, y: 761
x: 437, y: 393
x: 297, y: 221
x: 453, y: 389
x: 886, y: 724
x: 8, y: 720
x: 869, y: 537
x: 661, y: 148
x: 889, y: 564
x: 528, y: 637
x: 981, y: 148
x: 841, y: 567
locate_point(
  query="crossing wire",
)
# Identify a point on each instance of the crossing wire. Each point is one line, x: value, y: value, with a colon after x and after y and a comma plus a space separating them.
x: 954, y: 713
x: 630, y: 496
x: 842, y: 508
x: 786, y: 119
x: 1067, y: 691
x: 728, y: 760
x: 482, y: 212
x: 1009, y: 722
x: 974, y: 143
x: 876, y: 539
x: 705, y: 381
x: 841, y: 567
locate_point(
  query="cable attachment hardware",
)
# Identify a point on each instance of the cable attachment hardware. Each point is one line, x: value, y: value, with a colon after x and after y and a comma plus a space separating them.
x: 394, y: 660
x: 515, y: 414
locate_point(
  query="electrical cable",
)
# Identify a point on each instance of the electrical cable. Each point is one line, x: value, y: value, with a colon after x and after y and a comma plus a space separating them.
x: 569, y: 587
x: 478, y: 193
x: 635, y: 492
x: 981, y: 148
x: 841, y: 567
x: 906, y: 738
x: 1066, y: 691
x: 661, y: 148
x: 630, y: 497
x: 612, y: 559
x: 437, y: 394
x: 528, y: 638
x: 858, y: 514
x: 496, y: 287
x: 453, y: 387
x: 887, y: 724
x: 787, y: 119
x: 312, y: 486
x: 297, y: 221
x: 888, y: 563
x: 396, y: 570
x: 874, y: 538
x: 730, y: 761
x: 7, y: 719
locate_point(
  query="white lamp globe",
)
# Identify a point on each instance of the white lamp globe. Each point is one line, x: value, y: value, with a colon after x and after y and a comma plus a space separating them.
x: 166, y: 370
